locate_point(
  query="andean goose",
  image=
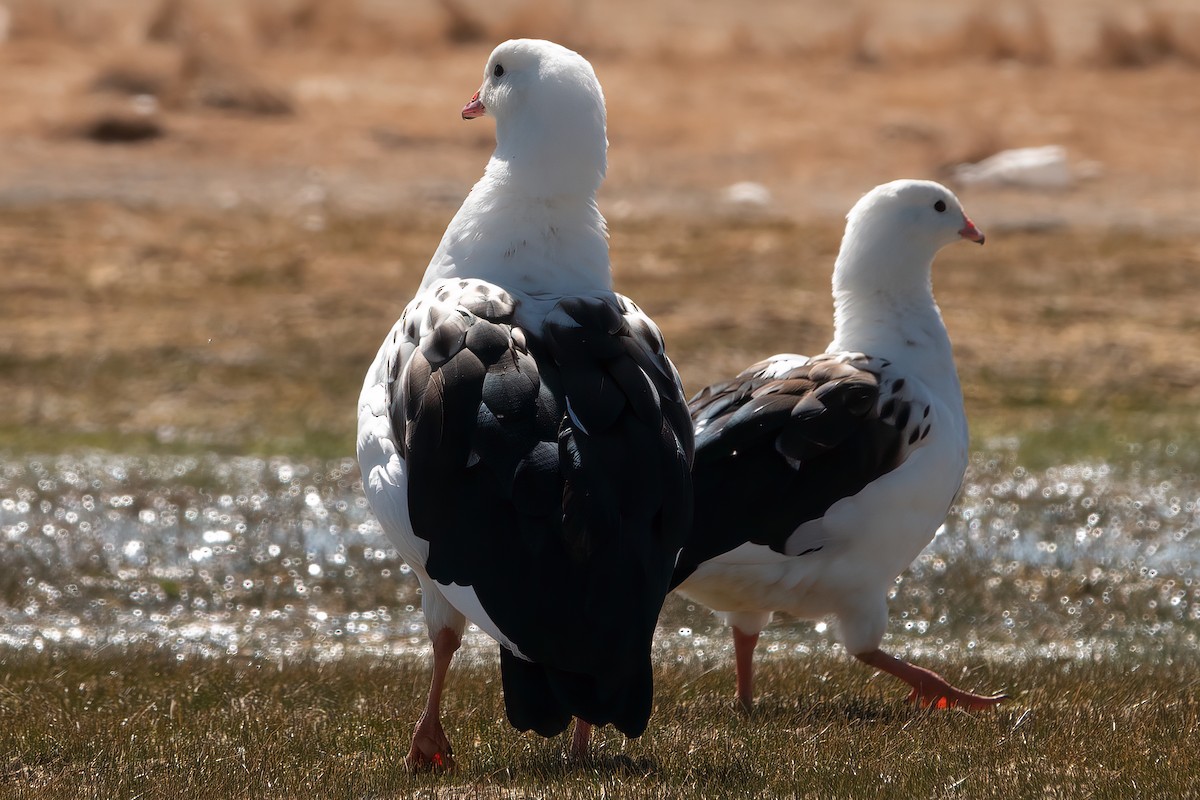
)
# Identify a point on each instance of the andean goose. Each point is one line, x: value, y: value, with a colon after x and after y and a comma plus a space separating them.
x: 818, y: 480
x: 523, y: 438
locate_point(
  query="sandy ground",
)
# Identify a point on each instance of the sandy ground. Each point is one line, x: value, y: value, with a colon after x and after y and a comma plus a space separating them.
x: 697, y: 102
x: 240, y: 267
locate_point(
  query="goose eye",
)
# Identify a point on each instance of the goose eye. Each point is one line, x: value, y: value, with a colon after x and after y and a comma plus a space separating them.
x: 939, y: 206
x: 498, y: 71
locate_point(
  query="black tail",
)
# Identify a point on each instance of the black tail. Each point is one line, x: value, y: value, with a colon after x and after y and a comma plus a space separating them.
x: 544, y: 699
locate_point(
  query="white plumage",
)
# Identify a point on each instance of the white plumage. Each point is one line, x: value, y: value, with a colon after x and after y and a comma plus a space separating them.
x: 496, y: 419
x: 818, y: 480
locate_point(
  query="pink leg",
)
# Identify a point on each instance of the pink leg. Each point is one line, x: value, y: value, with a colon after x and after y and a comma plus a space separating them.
x: 581, y: 740
x: 430, y: 747
x: 928, y: 688
x: 743, y: 650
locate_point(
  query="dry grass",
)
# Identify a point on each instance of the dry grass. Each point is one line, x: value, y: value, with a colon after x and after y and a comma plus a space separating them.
x: 57, y: 20
x: 768, y: 105
x: 250, y: 331
x: 120, y: 124
x: 986, y: 33
x: 854, y: 43
x: 1016, y: 31
x: 135, y: 328
x: 140, y: 71
x: 251, y: 328
x: 199, y: 76
x: 816, y: 131
x: 1151, y: 38
x: 461, y: 26
x: 138, y: 723
x: 990, y: 37
x: 351, y: 26
x: 215, y: 79
x: 192, y: 57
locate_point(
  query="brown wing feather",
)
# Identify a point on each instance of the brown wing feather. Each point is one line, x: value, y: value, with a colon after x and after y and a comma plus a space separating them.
x: 778, y: 445
x: 549, y: 471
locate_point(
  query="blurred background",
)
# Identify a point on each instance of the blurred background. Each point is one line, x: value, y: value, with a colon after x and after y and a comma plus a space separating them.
x: 211, y: 212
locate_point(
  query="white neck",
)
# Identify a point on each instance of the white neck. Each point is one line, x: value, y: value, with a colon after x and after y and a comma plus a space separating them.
x: 890, y: 313
x: 531, y: 223
x: 523, y: 240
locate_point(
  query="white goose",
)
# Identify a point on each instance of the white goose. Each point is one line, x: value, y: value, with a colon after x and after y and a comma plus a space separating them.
x: 818, y: 480
x: 523, y: 437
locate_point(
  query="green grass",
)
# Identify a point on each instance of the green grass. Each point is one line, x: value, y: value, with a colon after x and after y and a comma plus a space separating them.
x: 143, y: 724
x: 18, y: 441
x: 1049, y: 436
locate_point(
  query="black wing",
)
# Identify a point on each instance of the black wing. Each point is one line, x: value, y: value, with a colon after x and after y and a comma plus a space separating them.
x: 549, y: 471
x: 780, y: 444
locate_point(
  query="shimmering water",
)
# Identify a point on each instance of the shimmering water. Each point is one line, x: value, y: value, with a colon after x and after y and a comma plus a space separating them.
x: 282, y: 559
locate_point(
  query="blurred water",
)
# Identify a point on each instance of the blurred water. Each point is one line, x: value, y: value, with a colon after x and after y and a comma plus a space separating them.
x: 281, y: 559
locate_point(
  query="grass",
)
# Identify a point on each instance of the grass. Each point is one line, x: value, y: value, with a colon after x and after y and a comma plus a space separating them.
x: 1157, y: 37
x: 125, y: 724
x: 158, y: 331
x: 148, y: 330
x: 997, y: 32
x: 139, y: 330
